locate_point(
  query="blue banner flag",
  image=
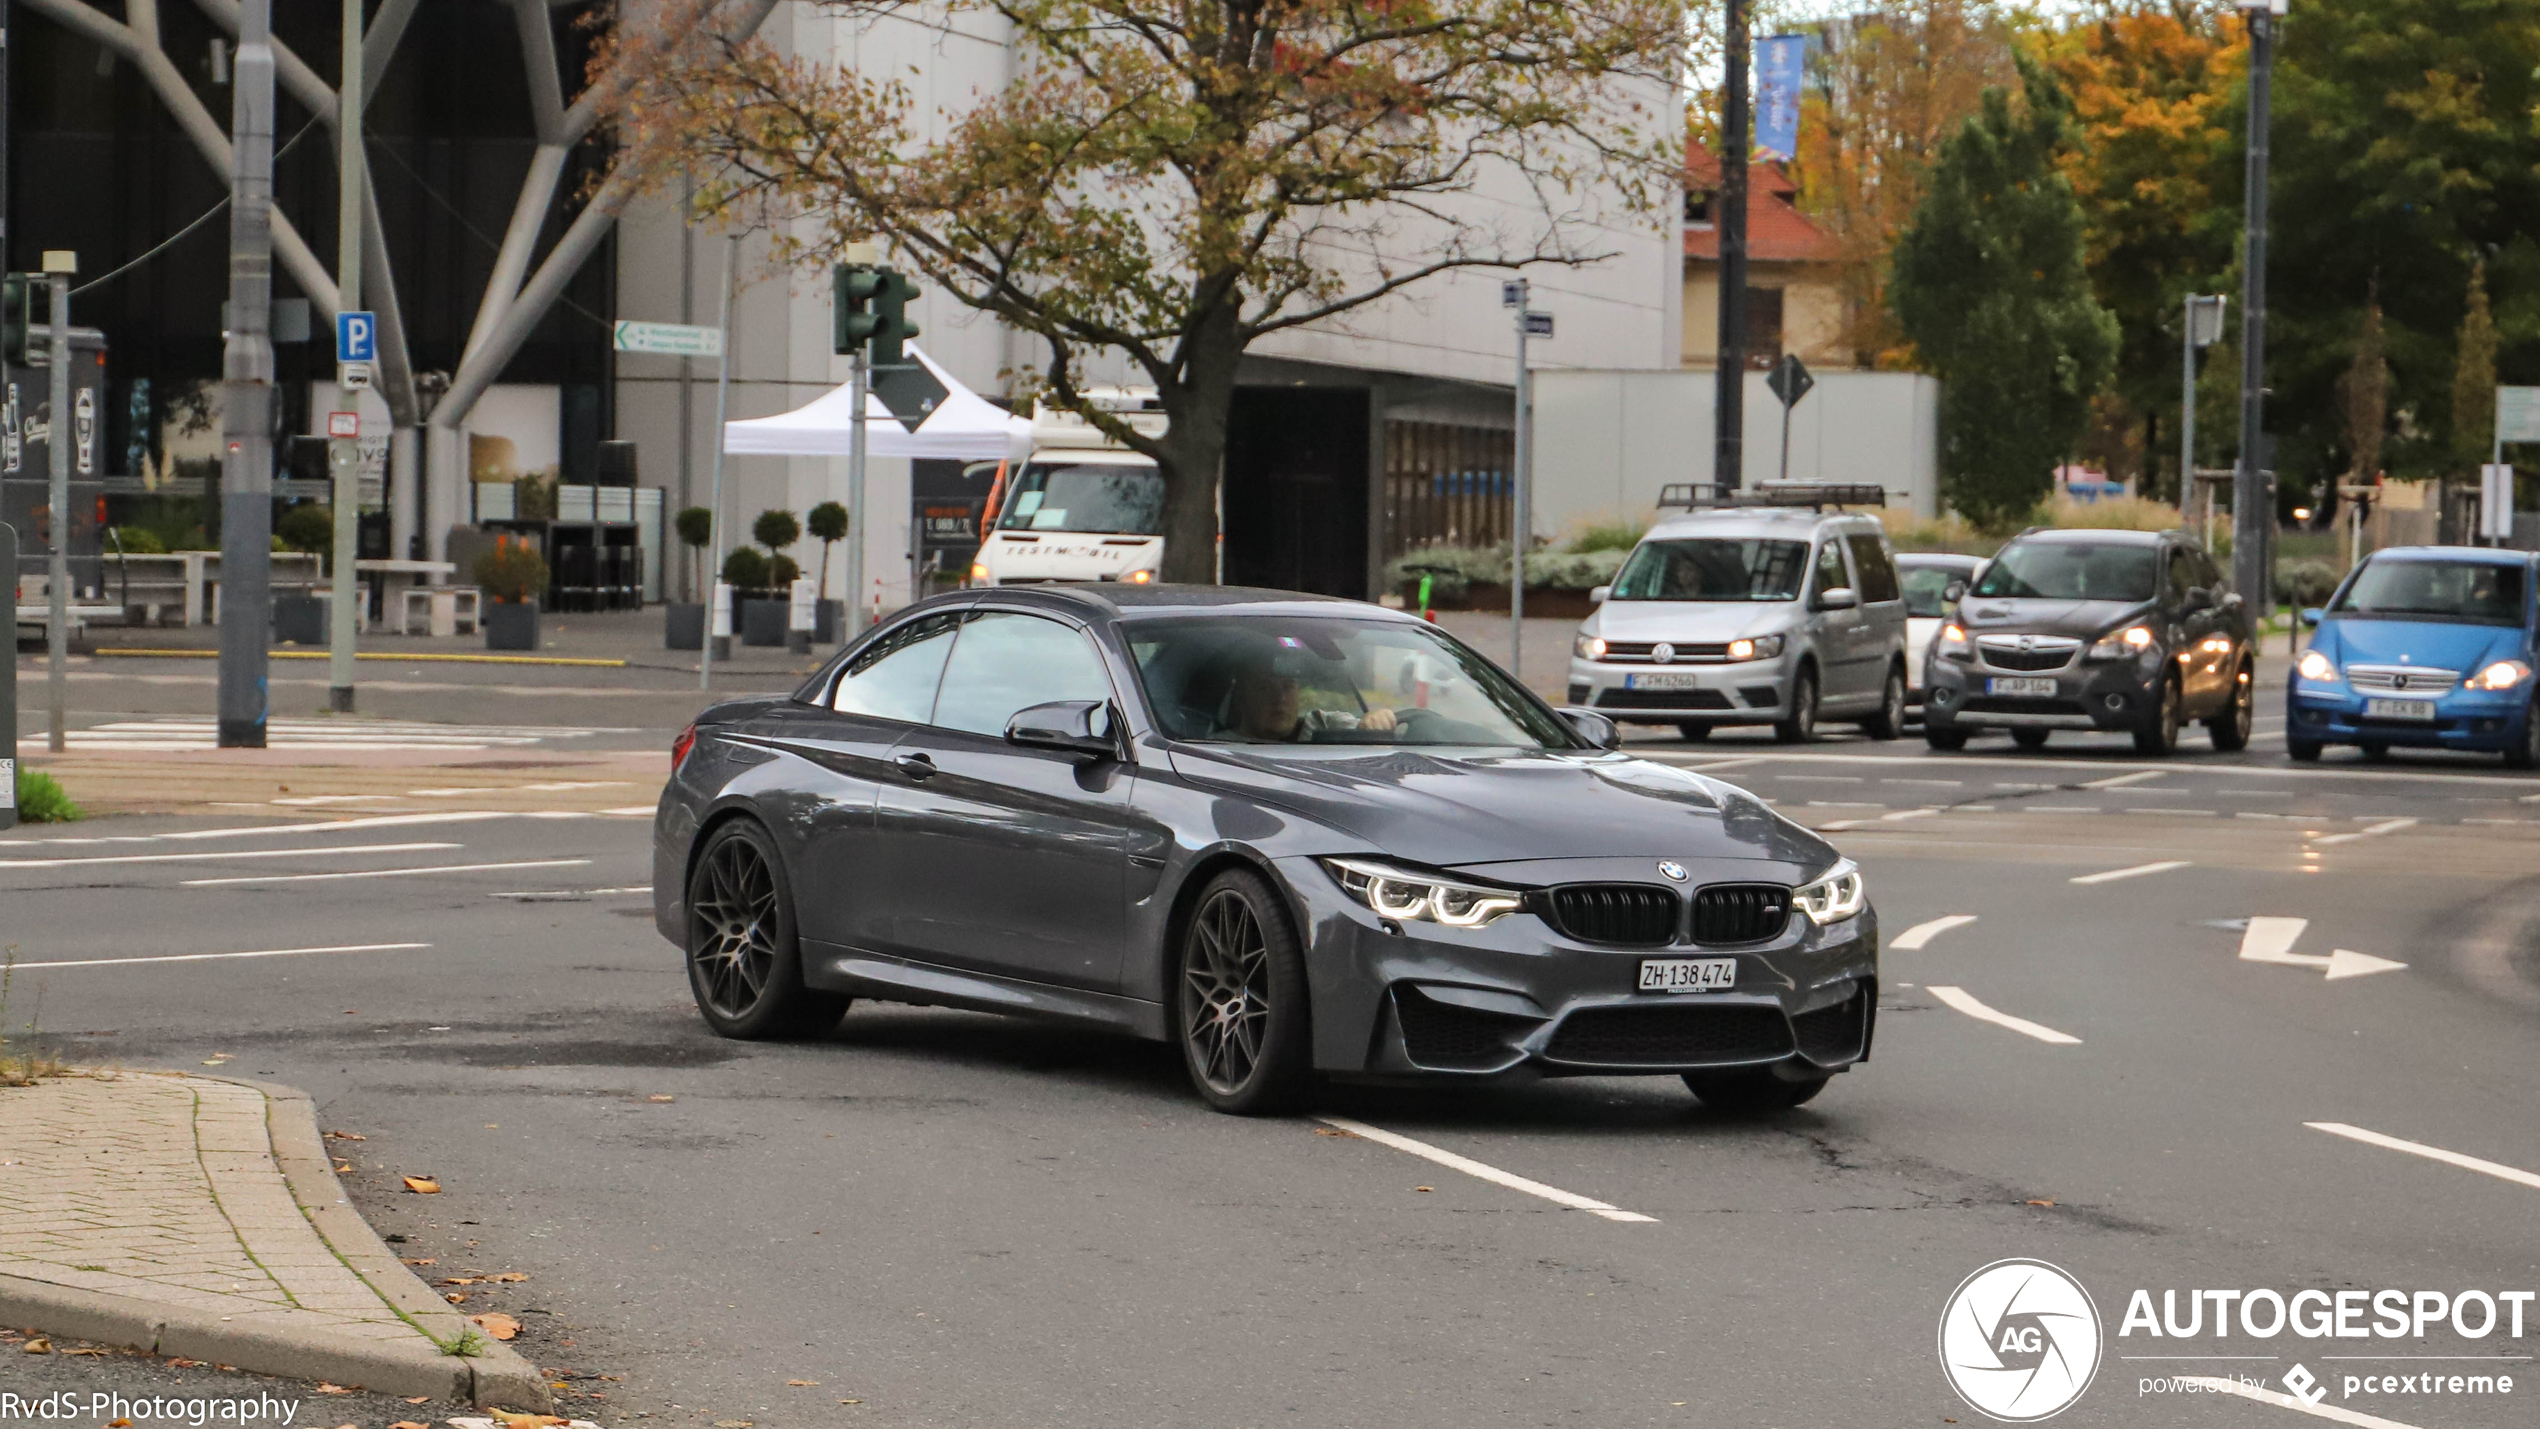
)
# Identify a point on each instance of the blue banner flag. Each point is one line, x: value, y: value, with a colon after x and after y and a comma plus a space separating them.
x: 1779, y: 64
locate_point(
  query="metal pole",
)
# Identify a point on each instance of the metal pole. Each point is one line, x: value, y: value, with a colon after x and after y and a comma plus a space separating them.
x: 714, y: 548
x: 344, y: 611
x: 9, y: 678
x: 247, y: 390
x: 1520, y: 496
x: 2253, y: 507
x: 859, y: 386
x: 58, y: 440
x: 5, y: 66
x: 1786, y: 406
x: 1728, y: 459
x: 687, y: 367
x: 2187, y: 405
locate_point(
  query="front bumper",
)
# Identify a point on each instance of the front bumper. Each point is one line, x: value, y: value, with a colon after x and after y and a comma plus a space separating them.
x: 1517, y: 999
x: 2321, y: 712
x: 1747, y: 692
x: 2089, y: 694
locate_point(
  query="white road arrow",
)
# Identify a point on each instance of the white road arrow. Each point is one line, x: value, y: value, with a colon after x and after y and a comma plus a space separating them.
x: 2271, y: 940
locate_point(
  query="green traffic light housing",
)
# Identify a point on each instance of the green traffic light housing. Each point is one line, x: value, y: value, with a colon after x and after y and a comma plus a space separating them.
x: 20, y: 295
x: 852, y: 288
x: 891, y: 306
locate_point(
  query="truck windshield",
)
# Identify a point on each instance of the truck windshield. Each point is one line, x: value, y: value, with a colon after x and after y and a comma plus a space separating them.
x: 1713, y: 568
x: 2479, y: 592
x: 1084, y: 496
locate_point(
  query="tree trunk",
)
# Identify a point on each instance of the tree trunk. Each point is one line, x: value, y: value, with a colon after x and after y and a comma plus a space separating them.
x: 1196, y: 443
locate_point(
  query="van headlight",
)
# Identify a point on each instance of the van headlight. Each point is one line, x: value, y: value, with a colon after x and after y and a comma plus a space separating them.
x: 1833, y: 898
x: 2503, y: 675
x: 2315, y: 666
x: 1411, y: 897
x: 1589, y: 647
x: 1762, y: 647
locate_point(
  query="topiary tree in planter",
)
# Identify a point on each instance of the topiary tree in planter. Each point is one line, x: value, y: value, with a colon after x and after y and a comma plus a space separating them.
x: 827, y: 523
x: 776, y: 530
x: 513, y: 576
x: 696, y: 531
x: 745, y: 570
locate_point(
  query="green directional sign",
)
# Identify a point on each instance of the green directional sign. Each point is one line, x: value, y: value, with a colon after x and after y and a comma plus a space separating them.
x: 669, y: 339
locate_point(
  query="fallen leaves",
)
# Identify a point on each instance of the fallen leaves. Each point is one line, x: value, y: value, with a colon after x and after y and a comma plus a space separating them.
x: 1424, y: 1188
x: 418, y: 1399
x: 461, y: 1280
x: 90, y: 1351
x: 1335, y: 1131
x: 423, y: 1185
x: 2041, y: 1203
x: 408, y: 1424
x: 661, y: 1099
x: 850, y: 1401
x: 118, y: 1424
x: 456, y: 1297
x: 510, y: 1420
x: 345, y: 1136
x: 325, y: 1388
x: 184, y: 1364
x: 343, y: 1168
x: 423, y: 1260
x: 803, y: 1383
x: 497, y: 1324
x: 38, y: 1346
x: 508, y: 1277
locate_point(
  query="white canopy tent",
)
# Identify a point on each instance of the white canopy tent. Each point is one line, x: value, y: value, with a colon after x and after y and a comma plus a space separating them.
x: 963, y: 427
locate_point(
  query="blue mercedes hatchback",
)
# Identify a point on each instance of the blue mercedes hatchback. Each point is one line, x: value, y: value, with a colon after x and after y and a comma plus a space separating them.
x: 2429, y: 646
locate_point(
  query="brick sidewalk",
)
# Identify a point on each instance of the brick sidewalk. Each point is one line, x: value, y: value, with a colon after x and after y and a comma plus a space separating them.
x: 198, y: 1216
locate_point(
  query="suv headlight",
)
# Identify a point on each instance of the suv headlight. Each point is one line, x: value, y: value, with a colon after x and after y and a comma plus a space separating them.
x: 1589, y: 647
x: 1412, y: 897
x: 1835, y: 897
x: 1952, y: 641
x: 2503, y: 675
x: 2123, y: 644
x: 2315, y: 666
x: 1762, y: 647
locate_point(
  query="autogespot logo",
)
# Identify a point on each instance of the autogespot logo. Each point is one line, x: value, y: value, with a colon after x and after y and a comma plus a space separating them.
x: 2019, y: 1341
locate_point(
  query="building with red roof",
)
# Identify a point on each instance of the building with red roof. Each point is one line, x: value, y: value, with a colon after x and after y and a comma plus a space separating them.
x: 1794, y: 296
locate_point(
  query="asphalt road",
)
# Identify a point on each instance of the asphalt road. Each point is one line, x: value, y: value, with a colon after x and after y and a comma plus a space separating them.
x: 953, y: 1219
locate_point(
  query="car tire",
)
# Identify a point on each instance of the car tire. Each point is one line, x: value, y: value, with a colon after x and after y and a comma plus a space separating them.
x: 2158, y: 734
x: 2526, y: 755
x: 2238, y: 720
x: 1755, y: 1092
x: 1693, y: 730
x: 1241, y: 998
x: 1800, y: 725
x: 2031, y: 739
x: 2304, y: 751
x: 1889, y: 722
x: 744, y: 962
x: 2374, y: 749
x: 1945, y: 740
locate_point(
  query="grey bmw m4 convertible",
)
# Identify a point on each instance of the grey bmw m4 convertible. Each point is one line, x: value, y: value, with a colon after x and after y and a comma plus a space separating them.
x: 1298, y: 837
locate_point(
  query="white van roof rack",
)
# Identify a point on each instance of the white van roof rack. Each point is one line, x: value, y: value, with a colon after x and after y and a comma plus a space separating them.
x: 1815, y: 495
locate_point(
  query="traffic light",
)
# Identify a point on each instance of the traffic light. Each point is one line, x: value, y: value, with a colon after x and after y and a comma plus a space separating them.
x: 892, y: 328
x: 20, y: 295
x: 852, y: 286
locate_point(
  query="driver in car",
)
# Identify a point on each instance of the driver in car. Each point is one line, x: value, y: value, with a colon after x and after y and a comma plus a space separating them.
x: 1264, y: 707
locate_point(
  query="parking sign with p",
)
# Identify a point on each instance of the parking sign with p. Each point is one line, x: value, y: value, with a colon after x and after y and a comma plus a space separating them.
x: 356, y: 337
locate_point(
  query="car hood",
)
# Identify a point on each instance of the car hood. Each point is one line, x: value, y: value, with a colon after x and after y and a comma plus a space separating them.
x: 1446, y: 807
x: 2442, y: 644
x: 2081, y: 619
x: 1691, y: 621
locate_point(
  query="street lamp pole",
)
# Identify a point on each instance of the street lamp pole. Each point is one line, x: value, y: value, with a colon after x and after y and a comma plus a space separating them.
x: 346, y: 451
x: 1728, y: 460
x: 246, y: 539
x: 2253, y: 501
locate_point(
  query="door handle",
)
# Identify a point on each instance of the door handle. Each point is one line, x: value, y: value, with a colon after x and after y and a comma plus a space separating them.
x: 916, y: 766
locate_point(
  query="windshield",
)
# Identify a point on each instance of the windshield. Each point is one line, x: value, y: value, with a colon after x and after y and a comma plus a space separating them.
x: 1321, y: 680
x: 2071, y: 570
x: 1082, y: 496
x: 1713, y: 568
x: 1927, y: 588
x: 2472, y: 591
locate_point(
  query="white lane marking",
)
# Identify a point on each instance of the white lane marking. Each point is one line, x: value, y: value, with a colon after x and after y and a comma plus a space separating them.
x: 2517, y: 823
x: 1898, y: 817
x: 2174, y: 813
x: 1823, y: 778
x: 2140, y: 869
x: 631, y: 810
x: 2062, y: 809
x: 2271, y: 940
x: 1482, y: 1172
x: 2033, y: 762
x: 206, y: 857
x: 1921, y: 934
x: 215, y: 957
x: 1934, y: 783
x: 569, y: 892
x: 2514, y: 1174
x: 311, y: 800
x: 2216, y: 1385
x: 2386, y: 826
x: 1963, y: 1001
x: 1714, y: 766
x: 382, y: 872
x: 331, y: 826
x: 2121, y: 780
x: 513, y: 789
x: 2528, y: 799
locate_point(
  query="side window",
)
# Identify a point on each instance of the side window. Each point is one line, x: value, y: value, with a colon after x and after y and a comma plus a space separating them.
x: 894, y: 677
x: 1829, y: 568
x: 1006, y: 662
x: 1878, y: 573
x: 2210, y: 576
x: 2182, y: 574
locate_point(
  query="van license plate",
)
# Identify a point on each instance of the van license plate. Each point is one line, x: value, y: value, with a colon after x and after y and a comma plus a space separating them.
x: 2399, y: 709
x: 1687, y: 974
x: 2032, y: 687
x: 1679, y: 680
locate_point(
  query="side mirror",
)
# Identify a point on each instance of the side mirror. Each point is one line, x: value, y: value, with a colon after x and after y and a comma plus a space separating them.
x: 1956, y: 592
x: 2198, y: 599
x: 2311, y: 616
x: 1598, y: 595
x: 1079, y: 727
x: 1841, y: 597
x: 1595, y: 728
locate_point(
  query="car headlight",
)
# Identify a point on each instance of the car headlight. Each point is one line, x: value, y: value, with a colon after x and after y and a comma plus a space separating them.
x: 2123, y: 644
x: 1589, y: 647
x: 978, y: 570
x: 1835, y: 897
x: 1952, y: 640
x: 2503, y: 675
x: 1411, y: 897
x: 1139, y: 577
x: 2315, y: 666
x: 1762, y: 647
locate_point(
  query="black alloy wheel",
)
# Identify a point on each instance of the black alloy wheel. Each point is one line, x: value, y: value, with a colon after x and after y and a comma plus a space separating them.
x: 1243, y: 998
x: 1754, y: 1092
x: 1800, y: 725
x: 1889, y: 722
x: 2232, y: 727
x: 744, y: 964
x: 2525, y: 753
x: 2159, y: 733
x: 2031, y: 739
x: 1694, y: 730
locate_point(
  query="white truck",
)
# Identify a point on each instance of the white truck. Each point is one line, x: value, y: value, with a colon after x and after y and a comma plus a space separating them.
x: 1082, y: 508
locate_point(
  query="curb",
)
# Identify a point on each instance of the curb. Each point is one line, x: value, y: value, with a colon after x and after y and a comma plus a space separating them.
x: 497, y: 1376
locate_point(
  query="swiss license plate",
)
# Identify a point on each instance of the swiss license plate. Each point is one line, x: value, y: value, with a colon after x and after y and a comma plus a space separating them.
x: 1687, y: 974
x: 2399, y: 709
x: 2037, y: 685
x: 1672, y: 680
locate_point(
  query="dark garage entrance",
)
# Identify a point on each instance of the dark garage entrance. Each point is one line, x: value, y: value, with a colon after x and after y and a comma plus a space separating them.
x: 1296, y: 489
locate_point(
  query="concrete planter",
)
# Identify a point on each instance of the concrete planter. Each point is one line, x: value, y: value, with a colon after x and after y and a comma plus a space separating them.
x: 763, y: 622
x: 299, y: 620
x: 828, y: 617
x: 684, y: 625
x: 511, y: 627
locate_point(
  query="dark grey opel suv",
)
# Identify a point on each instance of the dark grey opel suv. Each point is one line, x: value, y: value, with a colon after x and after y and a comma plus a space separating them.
x: 1294, y: 836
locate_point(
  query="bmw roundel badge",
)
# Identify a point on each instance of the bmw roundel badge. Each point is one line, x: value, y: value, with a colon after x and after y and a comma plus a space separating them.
x: 1672, y: 869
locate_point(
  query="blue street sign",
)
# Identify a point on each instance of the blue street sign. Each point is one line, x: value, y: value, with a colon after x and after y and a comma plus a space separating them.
x: 356, y: 337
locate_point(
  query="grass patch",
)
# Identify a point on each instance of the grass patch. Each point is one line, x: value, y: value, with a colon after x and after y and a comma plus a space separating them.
x: 467, y: 1344
x: 41, y: 800
x: 21, y: 1069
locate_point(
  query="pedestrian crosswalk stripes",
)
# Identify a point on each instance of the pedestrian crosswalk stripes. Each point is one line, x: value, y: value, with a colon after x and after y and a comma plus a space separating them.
x: 174, y: 735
